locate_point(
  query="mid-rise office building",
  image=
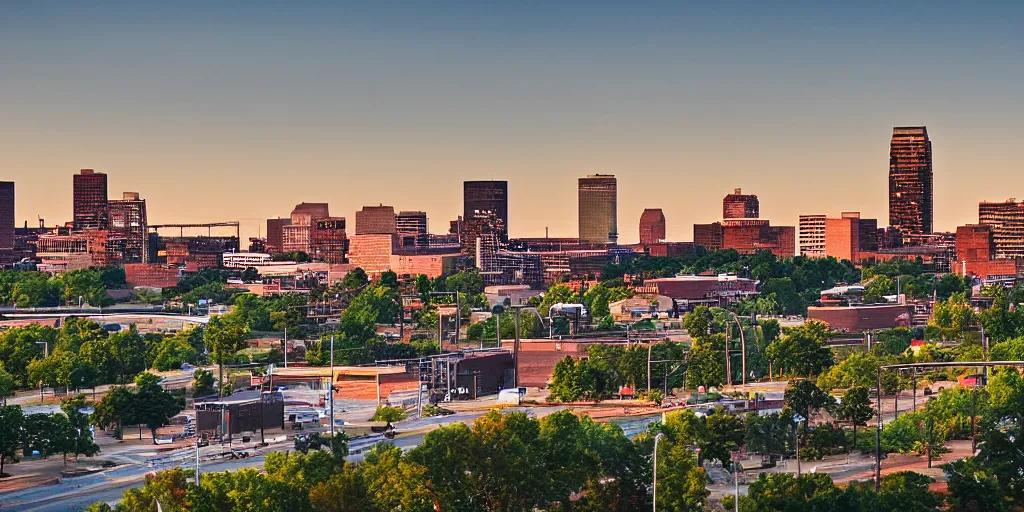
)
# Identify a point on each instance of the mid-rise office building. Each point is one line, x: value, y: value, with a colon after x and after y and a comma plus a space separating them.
x: 910, y: 180
x: 740, y: 206
x: 1007, y: 221
x: 849, y: 236
x: 483, y: 198
x: 128, y: 220
x: 90, y: 200
x: 812, y: 236
x: 376, y: 220
x: 297, y: 235
x: 6, y: 215
x: 412, y: 229
x: 275, y: 234
x: 746, y: 236
x: 598, y: 209
x: 328, y: 242
x: 652, y: 226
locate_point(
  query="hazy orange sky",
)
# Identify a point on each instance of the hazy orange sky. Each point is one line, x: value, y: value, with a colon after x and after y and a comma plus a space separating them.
x: 240, y: 111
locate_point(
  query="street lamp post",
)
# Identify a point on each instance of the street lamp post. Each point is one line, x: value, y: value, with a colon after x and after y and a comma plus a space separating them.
x: 46, y: 353
x: 654, y: 487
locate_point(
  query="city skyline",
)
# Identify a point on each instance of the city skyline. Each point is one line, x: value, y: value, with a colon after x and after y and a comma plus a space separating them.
x: 361, y: 106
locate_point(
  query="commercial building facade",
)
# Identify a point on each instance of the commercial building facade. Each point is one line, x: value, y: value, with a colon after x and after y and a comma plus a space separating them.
x: 275, y: 234
x: 411, y: 228
x: 482, y: 198
x: 652, y: 226
x: 740, y: 206
x: 328, y: 240
x: 6, y: 215
x: 1007, y: 221
x: 297, y: 235
x: 746, y: 236
x: 812, y: 236
x: 598, y: 209
x: 376, y: 220
x: 910, y: 180
x: 128, y: 220
x: 90, y: 200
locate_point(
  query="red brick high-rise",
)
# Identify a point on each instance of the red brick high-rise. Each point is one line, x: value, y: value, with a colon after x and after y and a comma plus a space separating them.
x: 275, y: 234
x: 90, y: 200
x: 652, y: 226
x: 910, y: 180
x: 740, y: 206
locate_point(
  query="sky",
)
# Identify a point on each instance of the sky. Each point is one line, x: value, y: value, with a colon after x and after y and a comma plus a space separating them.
x: 238, y: 111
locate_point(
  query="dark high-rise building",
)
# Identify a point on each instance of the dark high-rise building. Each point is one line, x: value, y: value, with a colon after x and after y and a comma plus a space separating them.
x: 910, y: 180
x: 412, y: 229
x: 328, y: 241
x: 275, y: 234
x: 598, y: 209
x: 1007, y: 221
x: 482, y: 198
x: 376, y: 220
x: 6, y: 215
x: 128, y: 220
x: 90, y: 200
x: 652, y: 226
x: 740, y: 206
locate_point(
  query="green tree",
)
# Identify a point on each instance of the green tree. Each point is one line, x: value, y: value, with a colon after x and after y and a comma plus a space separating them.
x: 11, y: 421
x: 681, y: 483
x: 972, y: 488
x: 344, y: 491
x: 73, y: 433
x: 173, y: 352
x: 572, y: 380
x: 705, y: 363
x: 202, y: 383
x: 169, y: 488
x: 224, y: 335
x: 557, y: 294
x: 952, y: 317
x: 768, y: 435
x: 698, y: 322
x: 7, y: 385
x: 153, y: 406
x: 802, y: 350
x: 804, y: 398
x: 355, y: 279
x: 394, y: 483
x: 115, y: 410
x: 855, y: 408
x: 860, y: 369
x: 895, y: 341
x: 388, y: 414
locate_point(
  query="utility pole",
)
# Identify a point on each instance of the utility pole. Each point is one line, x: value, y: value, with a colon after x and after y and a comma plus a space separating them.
x: 331, y: 388
x: 649, y: 346
x: 284, y: 346
x: 878, y: 435
x: 728, y: 362
x: 497, y: 331
x: 654, y: 487
x: 515, y: 352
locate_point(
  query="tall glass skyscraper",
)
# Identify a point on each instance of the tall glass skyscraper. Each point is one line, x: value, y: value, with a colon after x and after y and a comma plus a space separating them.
x: 598, y: 205
x: 910, y: 180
